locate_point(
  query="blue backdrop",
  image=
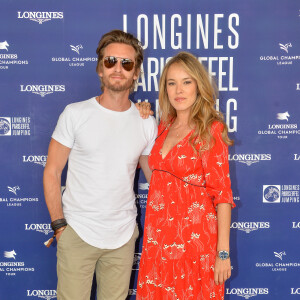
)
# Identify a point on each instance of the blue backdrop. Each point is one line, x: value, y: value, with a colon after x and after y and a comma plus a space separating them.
x: 252, y: 48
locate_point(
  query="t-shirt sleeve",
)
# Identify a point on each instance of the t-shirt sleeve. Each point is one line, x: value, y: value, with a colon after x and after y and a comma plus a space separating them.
x: 64, y: 130
x: 151, y: 136
x: 216, y: 169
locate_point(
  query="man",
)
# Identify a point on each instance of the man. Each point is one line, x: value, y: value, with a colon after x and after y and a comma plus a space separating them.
x: 103, y: 139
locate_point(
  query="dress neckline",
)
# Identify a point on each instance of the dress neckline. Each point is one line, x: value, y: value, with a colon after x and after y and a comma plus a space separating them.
x: 164, y: 139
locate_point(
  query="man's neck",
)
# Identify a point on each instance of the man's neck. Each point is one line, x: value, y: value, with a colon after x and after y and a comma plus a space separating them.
x: 116, y: 101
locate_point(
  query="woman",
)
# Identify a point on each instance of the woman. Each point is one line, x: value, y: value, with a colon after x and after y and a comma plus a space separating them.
x: 186, y: 234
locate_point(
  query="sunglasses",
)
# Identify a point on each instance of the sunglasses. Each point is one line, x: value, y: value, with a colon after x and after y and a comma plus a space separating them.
x: 111, y: 61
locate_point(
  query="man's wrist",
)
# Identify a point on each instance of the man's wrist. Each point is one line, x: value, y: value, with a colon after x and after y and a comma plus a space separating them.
x: 56, y: 224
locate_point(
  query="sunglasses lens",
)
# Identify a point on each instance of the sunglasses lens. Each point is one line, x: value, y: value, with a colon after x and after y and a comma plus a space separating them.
x: 110, y: 61
x: 127, y: 64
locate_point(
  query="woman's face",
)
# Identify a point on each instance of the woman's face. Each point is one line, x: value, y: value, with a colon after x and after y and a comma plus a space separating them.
x: 181, y: 88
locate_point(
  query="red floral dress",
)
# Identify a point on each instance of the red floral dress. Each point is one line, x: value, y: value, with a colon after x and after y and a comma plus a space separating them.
x: 180, y: 233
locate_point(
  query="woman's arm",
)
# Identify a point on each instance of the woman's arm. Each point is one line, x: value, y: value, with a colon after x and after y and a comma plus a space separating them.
x: 223, y: 267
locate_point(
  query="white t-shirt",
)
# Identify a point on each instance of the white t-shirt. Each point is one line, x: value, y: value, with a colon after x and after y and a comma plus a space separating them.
x: 99, y: 202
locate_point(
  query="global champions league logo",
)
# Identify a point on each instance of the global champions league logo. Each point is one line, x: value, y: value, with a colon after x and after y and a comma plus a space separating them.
x: 14, y: 189
x: 287, y: 59
x: 76, y: 48
x: 279, y: 263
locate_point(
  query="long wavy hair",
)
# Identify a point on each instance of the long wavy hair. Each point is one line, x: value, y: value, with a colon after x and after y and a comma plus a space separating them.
x: 203, y: 112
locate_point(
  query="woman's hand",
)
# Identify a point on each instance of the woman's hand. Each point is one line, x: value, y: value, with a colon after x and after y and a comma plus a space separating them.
x: 222, y: 270
x: 144, y: 109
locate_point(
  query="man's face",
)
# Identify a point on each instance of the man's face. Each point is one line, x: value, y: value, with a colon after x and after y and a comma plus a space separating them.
x: 117, y: 78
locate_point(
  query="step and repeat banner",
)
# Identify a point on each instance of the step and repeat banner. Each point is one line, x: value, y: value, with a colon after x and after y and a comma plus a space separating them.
x: 251, y: 48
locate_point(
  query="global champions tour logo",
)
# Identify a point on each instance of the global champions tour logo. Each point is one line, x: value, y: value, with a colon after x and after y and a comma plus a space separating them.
x: 4, y: 45
x: 10, y: 254
x: 42, y: 90
x: 10, y: 267
x: 8, y: 59
x: 40, y: 17
x: 283, y: 129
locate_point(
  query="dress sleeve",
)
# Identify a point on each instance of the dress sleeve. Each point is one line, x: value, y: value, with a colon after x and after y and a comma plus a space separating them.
x: 216, y: 169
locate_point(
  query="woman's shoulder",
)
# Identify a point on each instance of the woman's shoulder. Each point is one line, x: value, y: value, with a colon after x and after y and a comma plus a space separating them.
x: 216, y: 127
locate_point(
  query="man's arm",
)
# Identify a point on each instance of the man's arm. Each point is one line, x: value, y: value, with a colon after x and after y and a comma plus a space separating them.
x: 145, y: 167
x: 57, y: 158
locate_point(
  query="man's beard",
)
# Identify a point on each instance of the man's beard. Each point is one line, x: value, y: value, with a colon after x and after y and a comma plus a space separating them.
x: 117, y: 86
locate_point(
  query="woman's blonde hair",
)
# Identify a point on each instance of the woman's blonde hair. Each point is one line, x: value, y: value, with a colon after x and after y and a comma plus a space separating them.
x: 203, y: 112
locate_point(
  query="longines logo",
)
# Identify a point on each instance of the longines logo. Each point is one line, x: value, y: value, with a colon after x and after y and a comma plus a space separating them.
x: 279, y: 263
x: 36, y: 159
x: 44, y: 294
x: 249, y: 159
x: 285, y: 193
x: 42, y: 90
x: 283, y: 129
x: 286, y: 59
x: 296, y: 156
x: 296, y: 225
x: 43, y: 228
x: 247, y: 292
x: 250, y: 226
x: 74, y: 61
x: 15, y: 126
x: 7, y: 59
x: 295, y: 291
x: 39, y: 16
x: 10, y: 266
